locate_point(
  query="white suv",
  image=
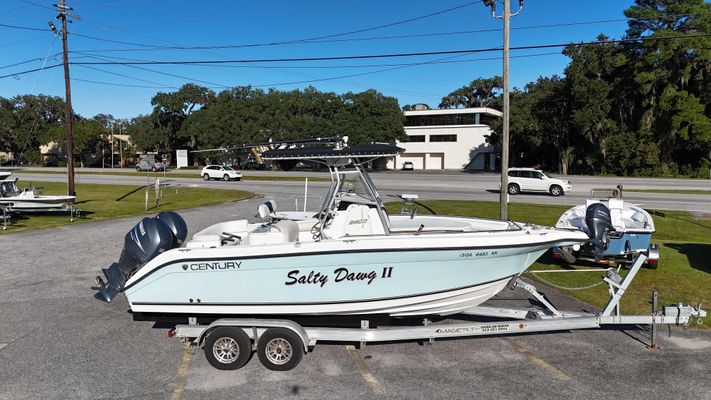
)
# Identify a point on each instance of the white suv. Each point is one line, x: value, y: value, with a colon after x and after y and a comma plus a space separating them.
x: 533, y: 180
x: 223, y: 172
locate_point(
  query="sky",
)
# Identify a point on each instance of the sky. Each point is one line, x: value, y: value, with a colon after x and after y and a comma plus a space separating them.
x: 117, y: 30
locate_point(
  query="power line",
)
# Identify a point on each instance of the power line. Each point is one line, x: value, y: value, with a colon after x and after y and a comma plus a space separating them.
x: 27, y: 28
x: 392, y: 55
x: 124, y: 84
x: 146, y: 69
x: 16, y: 74
x: 371, y: 56
x: 37, y: 5
x: 319, y: 40
x: 337, y: 66
x: 124, y: 76
x: 144, y: 47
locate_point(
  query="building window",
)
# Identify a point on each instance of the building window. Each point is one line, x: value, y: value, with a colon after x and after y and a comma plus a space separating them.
x: 443, y: 138
x: 415, y: 138
x: 445, y: 119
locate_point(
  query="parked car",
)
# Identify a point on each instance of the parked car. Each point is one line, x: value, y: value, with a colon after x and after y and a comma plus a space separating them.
x: 223, y: 172
x: 149, y: 165
x: 533, y: 180
x: 408, y: 166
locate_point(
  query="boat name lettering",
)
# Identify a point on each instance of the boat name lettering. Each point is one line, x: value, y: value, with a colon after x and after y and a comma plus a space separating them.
x: 206, y: 266
x: 313, y: 277
x: 341, y: 274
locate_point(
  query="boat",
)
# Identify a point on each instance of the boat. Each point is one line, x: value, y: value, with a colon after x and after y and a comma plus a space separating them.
x: 350, y: 258
x: 29, y: 199
x: 633, y: 229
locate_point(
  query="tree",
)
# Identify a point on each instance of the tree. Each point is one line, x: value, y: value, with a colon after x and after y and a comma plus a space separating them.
x: 24, y: 124
x: 671, y: 77
x: 481, y: 92
x: 170, y: 110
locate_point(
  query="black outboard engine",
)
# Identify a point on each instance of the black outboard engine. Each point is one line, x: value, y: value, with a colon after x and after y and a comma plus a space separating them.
x: 177, y: 225
x: 599, y: 223
x: 146, y: 240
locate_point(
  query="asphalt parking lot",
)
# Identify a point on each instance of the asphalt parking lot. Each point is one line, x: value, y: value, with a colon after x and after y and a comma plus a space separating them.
x: 58, y: 342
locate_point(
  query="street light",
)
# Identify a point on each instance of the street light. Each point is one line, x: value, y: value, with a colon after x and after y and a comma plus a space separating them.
x: 503, y: 197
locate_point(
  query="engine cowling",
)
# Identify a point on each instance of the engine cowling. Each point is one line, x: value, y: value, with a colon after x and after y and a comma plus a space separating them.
x: 599, y: 223
x: 177, y: 225
x: 150, y: 237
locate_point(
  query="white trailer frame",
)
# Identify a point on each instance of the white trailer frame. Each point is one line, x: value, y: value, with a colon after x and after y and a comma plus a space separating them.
x: 519, y: 321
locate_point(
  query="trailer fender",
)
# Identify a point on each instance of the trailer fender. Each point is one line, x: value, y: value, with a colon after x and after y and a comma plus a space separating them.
x: 254, y: 328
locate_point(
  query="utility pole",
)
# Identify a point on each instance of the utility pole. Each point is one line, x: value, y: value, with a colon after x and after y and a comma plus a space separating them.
x: 112, y: 144
x: 503, y: 197
x: 62, y: 10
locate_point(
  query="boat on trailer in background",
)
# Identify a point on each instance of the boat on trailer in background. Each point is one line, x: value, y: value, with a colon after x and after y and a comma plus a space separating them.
x: 14, y: 200
x: 632, y: 234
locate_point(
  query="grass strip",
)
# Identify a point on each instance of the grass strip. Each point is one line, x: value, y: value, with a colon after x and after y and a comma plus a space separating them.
x: 683, y: 275
x: 101, y: 202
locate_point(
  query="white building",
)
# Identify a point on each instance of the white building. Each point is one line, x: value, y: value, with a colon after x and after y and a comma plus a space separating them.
x: 448, y: 139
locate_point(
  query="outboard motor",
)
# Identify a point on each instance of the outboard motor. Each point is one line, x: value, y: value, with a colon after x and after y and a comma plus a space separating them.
x: 177, y: 225
x: 145, y: 241
x: 599, y: 223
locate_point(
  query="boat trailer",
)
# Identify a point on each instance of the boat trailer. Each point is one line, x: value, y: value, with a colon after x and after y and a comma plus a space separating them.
x: 281, y: 343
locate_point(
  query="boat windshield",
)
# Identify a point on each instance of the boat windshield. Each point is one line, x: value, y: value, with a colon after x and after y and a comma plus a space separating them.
x: 353, y: 189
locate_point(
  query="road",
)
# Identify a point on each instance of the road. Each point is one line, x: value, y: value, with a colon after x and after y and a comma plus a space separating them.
x: 453, y: 185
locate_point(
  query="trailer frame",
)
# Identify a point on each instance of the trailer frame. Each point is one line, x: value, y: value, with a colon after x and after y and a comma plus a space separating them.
x: 515, y: 321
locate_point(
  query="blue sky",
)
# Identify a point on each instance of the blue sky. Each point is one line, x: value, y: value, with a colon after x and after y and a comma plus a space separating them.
x: 145, y: 23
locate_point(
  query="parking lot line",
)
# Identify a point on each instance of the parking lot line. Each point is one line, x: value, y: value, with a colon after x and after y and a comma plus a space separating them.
x: 182, y: 377
x: 364, y: 371
x: 551, y: 369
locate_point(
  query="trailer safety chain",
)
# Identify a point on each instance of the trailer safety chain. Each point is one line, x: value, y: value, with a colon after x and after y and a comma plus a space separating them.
x: 564, y: 287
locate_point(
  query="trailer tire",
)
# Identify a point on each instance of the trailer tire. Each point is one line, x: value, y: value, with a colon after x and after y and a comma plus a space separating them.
x: 280, y: 349
x: 228, y: 348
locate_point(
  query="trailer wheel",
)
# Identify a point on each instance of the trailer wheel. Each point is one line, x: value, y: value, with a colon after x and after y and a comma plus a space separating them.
x: 280, y: 349
x: 228, y: 348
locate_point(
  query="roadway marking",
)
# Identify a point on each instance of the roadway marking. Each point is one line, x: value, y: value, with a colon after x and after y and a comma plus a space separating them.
x: 364, y: 371
x: 551, y: 369
x: 182, y: 377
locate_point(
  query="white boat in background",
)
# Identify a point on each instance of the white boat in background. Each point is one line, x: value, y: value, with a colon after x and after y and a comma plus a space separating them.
x: 29, y: 199
x: 633, y: 228
x: 349, y: 259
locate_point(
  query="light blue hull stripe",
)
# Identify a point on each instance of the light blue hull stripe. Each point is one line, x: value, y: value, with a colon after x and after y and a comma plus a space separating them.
x: 328, y: 278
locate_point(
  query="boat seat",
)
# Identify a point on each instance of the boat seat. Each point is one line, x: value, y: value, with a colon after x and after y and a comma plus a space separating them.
x: 267, y: 209
x: 289, y: 229
x: 281, y: 232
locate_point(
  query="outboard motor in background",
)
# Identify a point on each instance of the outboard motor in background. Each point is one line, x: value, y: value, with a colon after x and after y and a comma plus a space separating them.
x: 177, y: 225
x: 599, y: 223
x: 146, y: 240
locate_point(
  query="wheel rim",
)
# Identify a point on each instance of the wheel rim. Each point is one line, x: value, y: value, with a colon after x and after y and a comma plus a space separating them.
x: 279, y: 351
x: 512, y: 190
x: 556, y: 191
x: 225, y: 350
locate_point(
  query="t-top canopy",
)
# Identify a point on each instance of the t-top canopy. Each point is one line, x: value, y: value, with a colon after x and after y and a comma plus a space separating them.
x: 355, y: 151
